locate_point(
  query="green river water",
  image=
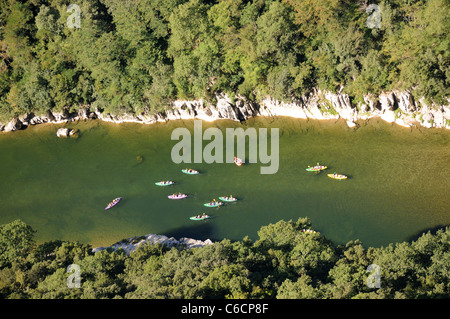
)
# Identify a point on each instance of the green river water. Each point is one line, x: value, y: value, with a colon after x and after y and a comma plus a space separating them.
x: 398, y: 182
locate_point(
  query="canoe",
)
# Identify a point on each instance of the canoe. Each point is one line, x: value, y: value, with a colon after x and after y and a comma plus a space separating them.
x: 237, y: 161
x: 213, y: 204
x: 316, y: 168
x: 191, y: 172
x: 113, y: 203
x: 199, y: 217
x: 227, y: 199
x: 175, y: 196
x: 337, y: 176
x: 164, y: 183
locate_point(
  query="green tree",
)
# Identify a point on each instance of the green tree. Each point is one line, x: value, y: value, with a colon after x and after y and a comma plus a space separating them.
x: 278, y: 50
x: 195, y: 52
x: 313, y: 255
x: 301, y: 289
x: 101, y: 274
x: 349, y: 273
x: 418, y: 47
x: 18, y: 32
x: 282, y: 233
x: 16, y: 241
x: 315, y: 16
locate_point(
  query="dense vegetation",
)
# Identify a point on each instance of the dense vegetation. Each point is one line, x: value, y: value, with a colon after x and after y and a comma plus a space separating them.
x: 138, y: 55
x: 285, y: 262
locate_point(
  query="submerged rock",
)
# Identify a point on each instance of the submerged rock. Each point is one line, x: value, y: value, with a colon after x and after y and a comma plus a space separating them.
x: 139, y: 159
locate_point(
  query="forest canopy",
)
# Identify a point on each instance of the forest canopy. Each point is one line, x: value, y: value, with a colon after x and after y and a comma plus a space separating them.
x: 138, y: 55
x: 287, y: 261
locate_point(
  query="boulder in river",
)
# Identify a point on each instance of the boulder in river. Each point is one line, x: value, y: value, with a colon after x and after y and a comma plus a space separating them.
x: 65, y: 132
x: 62, y: 132
x: 75, y: 133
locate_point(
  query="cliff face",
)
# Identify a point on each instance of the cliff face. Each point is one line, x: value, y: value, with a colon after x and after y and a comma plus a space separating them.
x: 131, y: 244
x: 394, y: 107
x: 398, y: 107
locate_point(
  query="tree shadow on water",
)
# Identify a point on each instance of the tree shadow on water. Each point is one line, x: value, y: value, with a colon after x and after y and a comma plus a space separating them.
x: 432, y: 230
x: 200, y: 230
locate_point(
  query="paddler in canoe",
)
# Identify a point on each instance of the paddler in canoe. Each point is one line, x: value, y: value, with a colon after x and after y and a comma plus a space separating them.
x: 189, y: 171
x: 317, y: 169
x: 177, y: 196
x: 113, y: 203
x: 200, y: 217
x: 228, y: 198
x: 214, y: 203
x: 337, y: 176
x: 164, y: 183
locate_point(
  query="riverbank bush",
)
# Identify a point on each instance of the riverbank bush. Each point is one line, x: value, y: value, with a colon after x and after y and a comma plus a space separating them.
x: 288, y: 260
x: 137, y: 56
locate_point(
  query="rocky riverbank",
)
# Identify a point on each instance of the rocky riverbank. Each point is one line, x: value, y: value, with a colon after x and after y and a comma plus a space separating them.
x: 394, y: 107
x: 131, y: 244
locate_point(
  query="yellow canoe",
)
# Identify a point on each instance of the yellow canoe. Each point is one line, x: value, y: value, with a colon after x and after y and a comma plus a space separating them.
x: 337, y: 176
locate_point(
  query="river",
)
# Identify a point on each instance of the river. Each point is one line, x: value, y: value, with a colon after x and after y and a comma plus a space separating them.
x: 398, y: 183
